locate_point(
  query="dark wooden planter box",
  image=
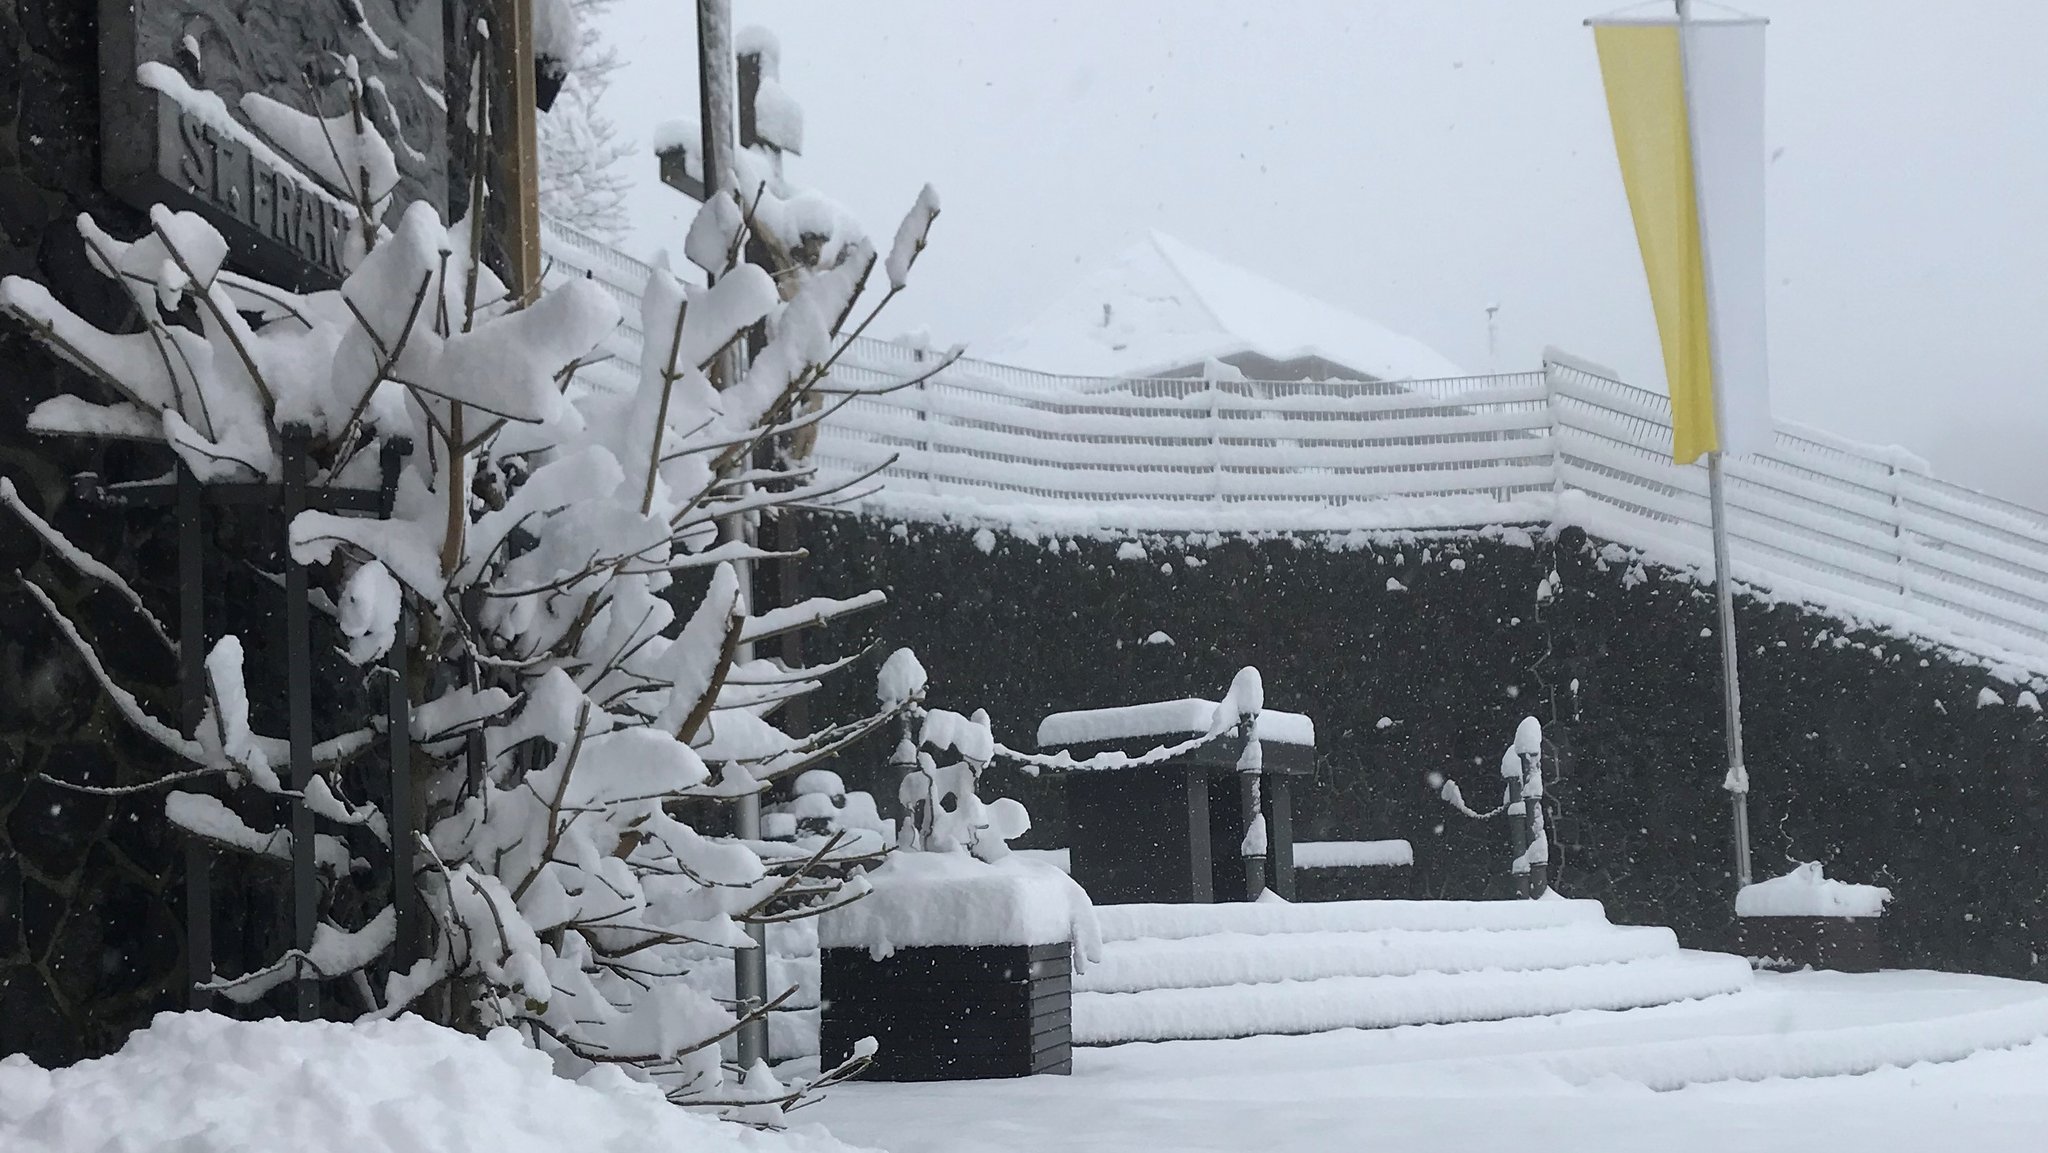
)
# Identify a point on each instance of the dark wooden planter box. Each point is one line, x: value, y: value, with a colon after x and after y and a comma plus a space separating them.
x: 1844, y: 944
x: 1355, y: 883
x: 946, y: 1013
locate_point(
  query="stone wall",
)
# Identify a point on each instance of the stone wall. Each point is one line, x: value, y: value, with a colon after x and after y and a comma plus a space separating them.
x: 91, y: 887
x: 89, y: 907
x: 1417, y: 657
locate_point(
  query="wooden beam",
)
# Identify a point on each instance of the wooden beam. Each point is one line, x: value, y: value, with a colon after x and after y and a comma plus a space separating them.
x: 515, y: 144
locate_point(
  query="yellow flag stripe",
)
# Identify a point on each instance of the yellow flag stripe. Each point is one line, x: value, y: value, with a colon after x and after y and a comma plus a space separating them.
x: 1645, y: 81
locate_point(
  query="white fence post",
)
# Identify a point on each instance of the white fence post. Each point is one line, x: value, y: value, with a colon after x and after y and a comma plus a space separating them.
x: 924, y: 419
x: 1215, y: 447
x: 1551, y: 408
x: 1900, y: 545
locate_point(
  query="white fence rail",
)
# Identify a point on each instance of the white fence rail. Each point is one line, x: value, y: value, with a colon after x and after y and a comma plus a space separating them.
x: 1811, y: 515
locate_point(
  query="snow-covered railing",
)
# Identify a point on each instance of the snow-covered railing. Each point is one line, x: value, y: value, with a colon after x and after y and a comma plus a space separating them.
x: 965, y: 432
x: 1833, y: 516
x: 1815, y: 517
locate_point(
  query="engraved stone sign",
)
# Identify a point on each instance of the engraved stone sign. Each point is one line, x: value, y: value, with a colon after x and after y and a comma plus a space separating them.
x: 173, y: 74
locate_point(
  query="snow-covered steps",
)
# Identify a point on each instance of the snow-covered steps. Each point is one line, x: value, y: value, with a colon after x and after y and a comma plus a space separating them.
x: 1173, y: 922
x: 1413, y: 999
x: 1252, y: 959
x: 1185, y: 972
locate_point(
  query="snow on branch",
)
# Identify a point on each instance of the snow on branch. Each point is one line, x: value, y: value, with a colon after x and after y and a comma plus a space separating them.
x: 87, y: 565
x: 565, y: 690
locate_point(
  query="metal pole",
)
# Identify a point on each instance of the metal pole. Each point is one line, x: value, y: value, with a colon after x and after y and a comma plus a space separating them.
x: 1250, y: 810
x: 398, y: 738
x: 299, y: 694
x: 192, y: 688
x: 1737, y: 780
x: 1536, y: 878
x: 1518, y: 819
x: 398, y: 743
x: 1278, y: 804
x: 718, y: 116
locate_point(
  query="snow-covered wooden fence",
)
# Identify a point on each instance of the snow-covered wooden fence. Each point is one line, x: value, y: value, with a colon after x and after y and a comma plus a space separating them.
x: 1862, y: 528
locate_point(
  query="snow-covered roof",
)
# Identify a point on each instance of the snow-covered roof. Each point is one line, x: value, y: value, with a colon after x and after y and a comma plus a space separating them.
x: 1163, y: 305
x: 1164, y: 718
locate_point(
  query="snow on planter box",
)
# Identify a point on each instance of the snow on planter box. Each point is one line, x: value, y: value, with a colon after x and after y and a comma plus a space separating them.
x: 959, y: 968
x: 1144, y: 829
x: 1803, y: 918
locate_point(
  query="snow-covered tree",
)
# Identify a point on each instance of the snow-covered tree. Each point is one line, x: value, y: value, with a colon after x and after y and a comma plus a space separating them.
x: 570, y: 554
x: 583, y: 181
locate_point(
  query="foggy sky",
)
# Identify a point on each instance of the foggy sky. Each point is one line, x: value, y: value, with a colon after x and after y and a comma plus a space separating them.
x: 1416, y: 160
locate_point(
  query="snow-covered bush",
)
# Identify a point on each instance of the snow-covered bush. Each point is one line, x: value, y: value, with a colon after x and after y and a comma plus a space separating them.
x: 942, y: 808
x: 821, y: 805
x: 572, y: 558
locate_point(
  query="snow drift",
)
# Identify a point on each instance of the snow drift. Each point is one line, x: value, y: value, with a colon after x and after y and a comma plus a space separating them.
x: 202, y: 1083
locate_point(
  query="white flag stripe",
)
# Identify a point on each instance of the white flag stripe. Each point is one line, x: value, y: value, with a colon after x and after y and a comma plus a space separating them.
x: 1724, y: 66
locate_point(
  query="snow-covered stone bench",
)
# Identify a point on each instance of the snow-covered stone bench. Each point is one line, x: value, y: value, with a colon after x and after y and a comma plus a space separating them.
x: 1353, y: 870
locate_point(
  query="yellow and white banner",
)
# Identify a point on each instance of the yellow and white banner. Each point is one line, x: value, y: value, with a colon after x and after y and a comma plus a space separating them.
x: 1687, y: 101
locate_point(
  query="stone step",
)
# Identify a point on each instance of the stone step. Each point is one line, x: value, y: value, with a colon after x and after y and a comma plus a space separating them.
x: 1247, y: 959
x: 1131, y: 922
x: 1354, y: 1002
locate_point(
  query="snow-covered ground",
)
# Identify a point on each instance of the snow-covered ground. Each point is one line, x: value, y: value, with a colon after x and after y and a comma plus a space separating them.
x: 202, y: 1083
x: 1575, y: 1081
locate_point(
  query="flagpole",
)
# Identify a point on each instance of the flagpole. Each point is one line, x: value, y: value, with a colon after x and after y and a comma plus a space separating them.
x: 1737, y: 779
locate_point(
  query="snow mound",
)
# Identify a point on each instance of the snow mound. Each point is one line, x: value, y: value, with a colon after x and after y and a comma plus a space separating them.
x: 1806, y: 892
x: 202, y: 1083
x: 923, y: 899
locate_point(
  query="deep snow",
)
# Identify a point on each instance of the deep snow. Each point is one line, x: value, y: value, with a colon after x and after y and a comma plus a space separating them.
x: 1556, y: 1082
x: 202, y: 1083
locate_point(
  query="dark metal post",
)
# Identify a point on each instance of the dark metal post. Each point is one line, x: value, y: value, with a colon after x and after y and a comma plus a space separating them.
x: 1518, y: 822
x: 1201, y: 861
x: 1536, y: 876
x: 1254, y: 863
x: 191, y: 505
x: 398, y: 742
x: 299, y: 690
x: 1279, y: 806
x: 398, y: 739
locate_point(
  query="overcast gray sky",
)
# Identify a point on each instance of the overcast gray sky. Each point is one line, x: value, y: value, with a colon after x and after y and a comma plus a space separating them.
x: 1416, y: 160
